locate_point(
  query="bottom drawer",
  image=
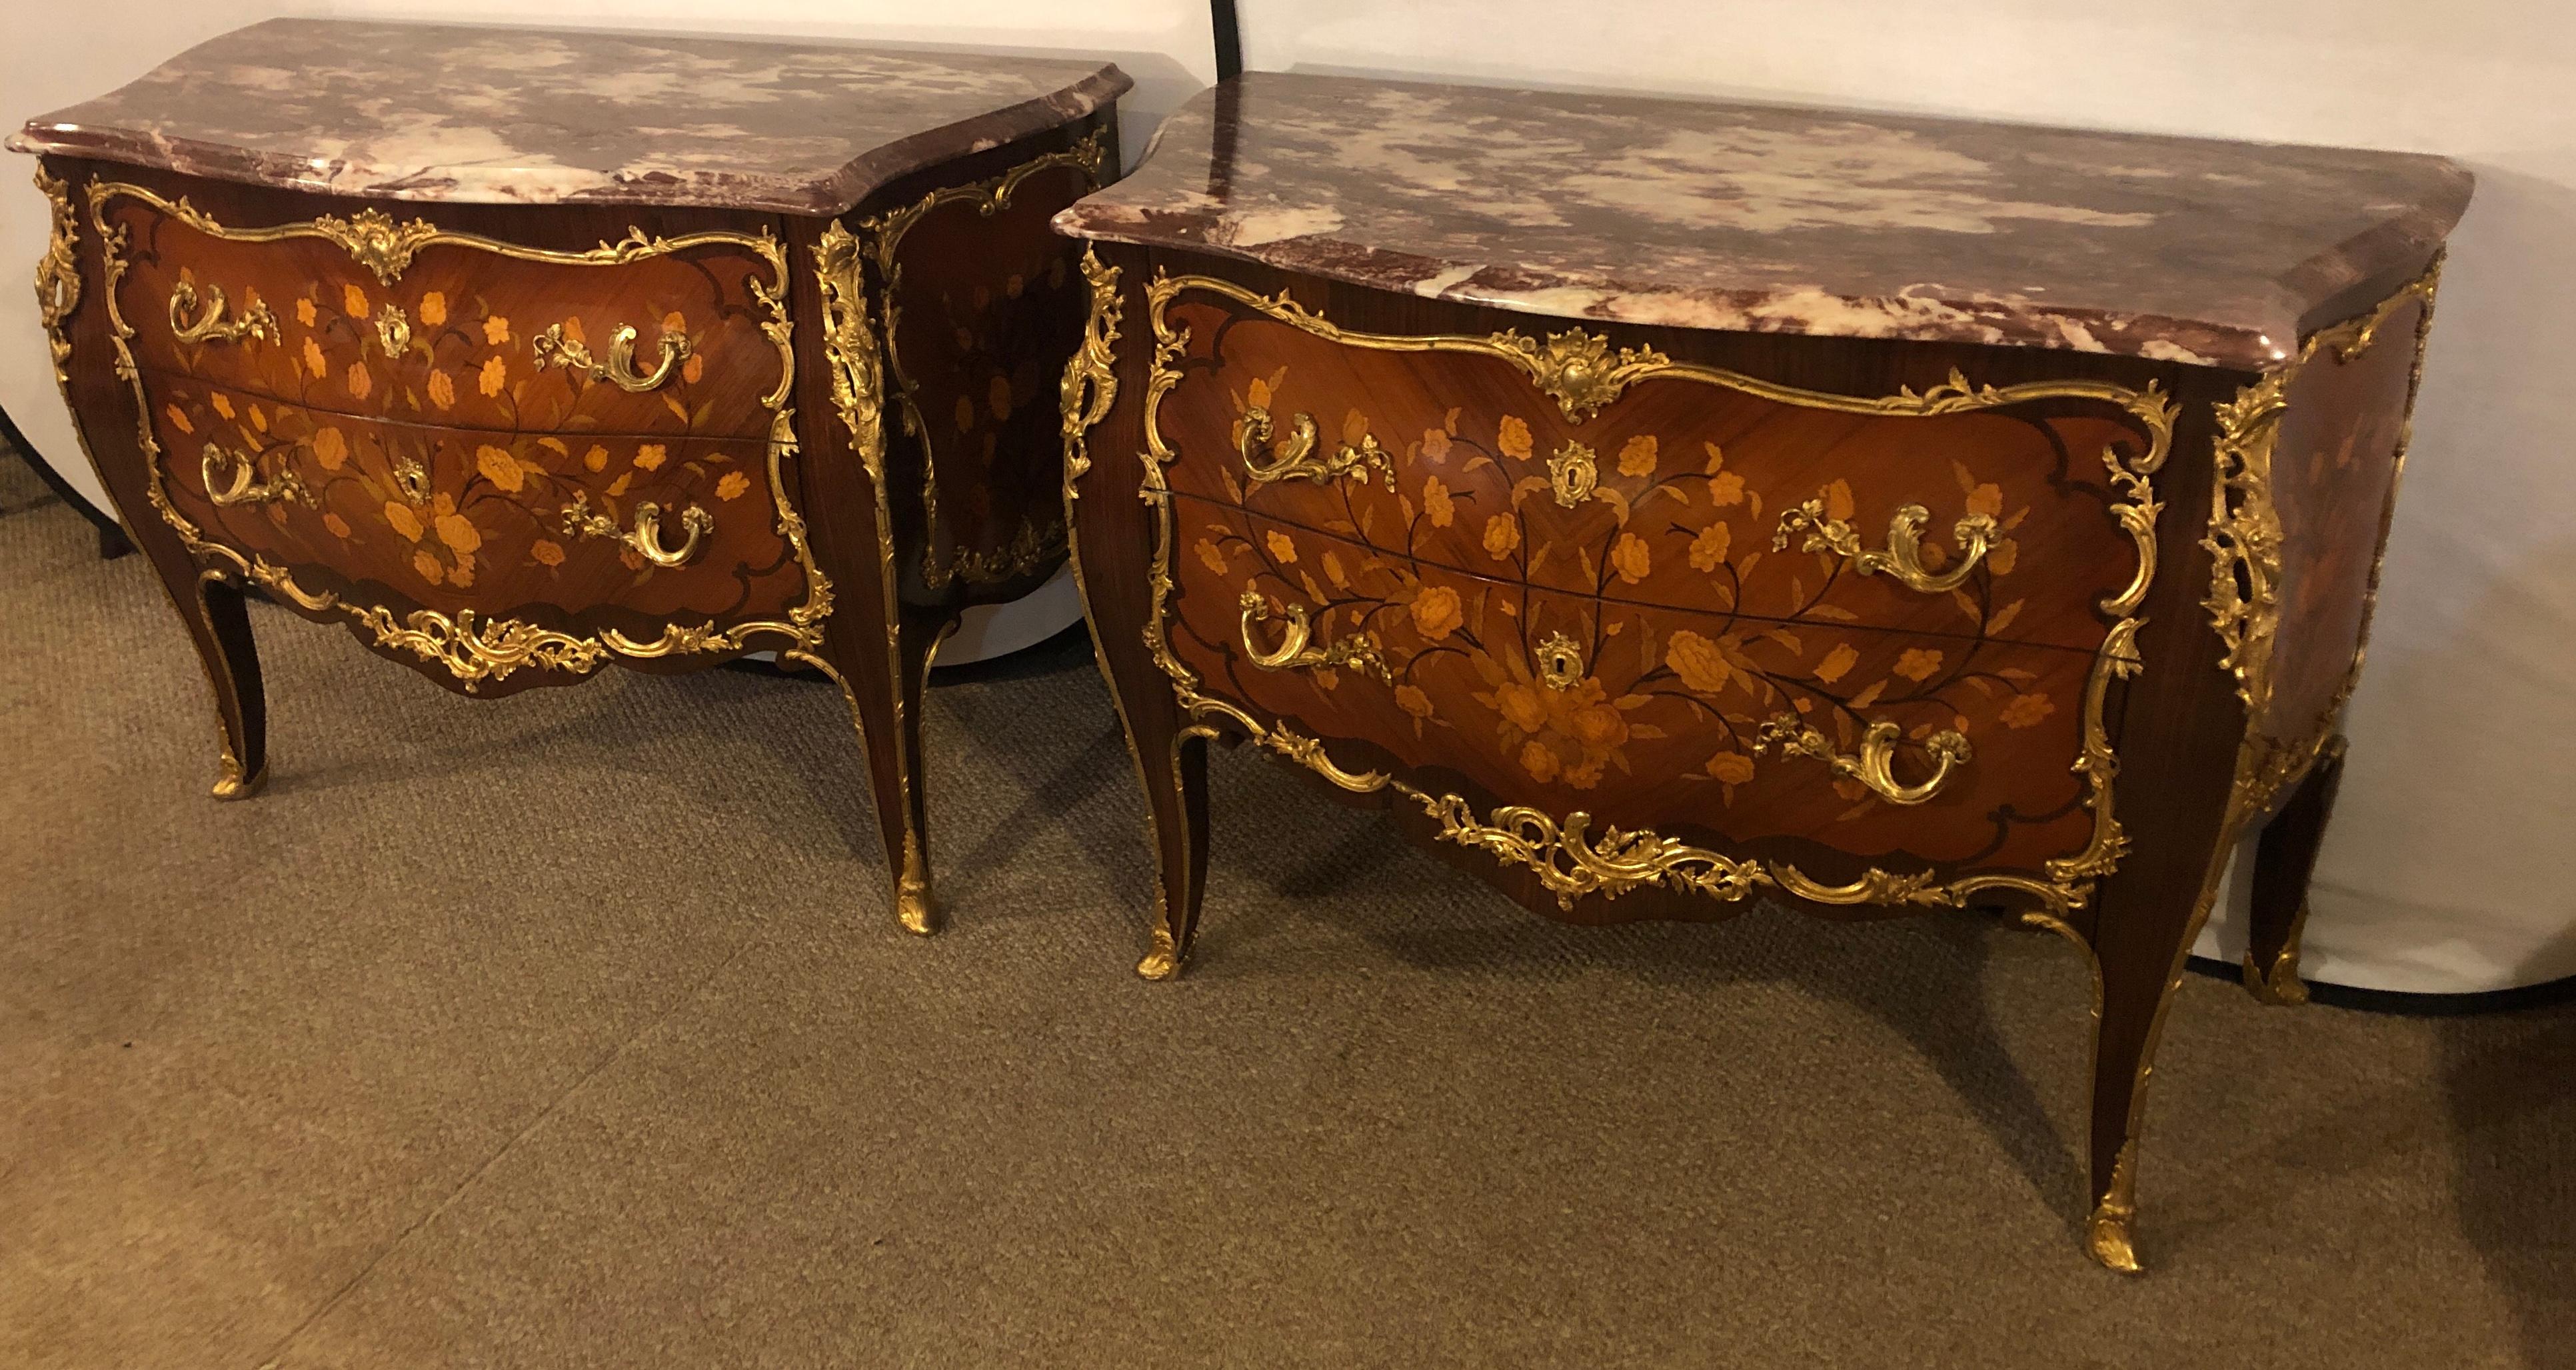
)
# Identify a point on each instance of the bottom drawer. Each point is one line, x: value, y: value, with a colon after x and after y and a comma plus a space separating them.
x: 1642, y: 717
x: 605, y: 533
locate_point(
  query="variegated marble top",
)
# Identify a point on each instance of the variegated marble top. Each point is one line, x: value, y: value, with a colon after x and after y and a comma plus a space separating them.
x: 545, y: 116
x: 1769, y: 218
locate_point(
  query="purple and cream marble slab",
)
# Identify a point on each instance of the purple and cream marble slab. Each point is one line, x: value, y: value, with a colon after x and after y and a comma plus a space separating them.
x: 551, y: 116
x: 1766, y: 218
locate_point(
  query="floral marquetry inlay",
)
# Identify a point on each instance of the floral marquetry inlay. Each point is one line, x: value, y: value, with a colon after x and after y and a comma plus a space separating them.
x: 1599, y: 625
x: 387, y: 430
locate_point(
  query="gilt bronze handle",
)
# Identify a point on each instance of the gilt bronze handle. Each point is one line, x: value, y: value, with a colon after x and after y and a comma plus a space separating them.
x: 244, y: 486
x: 1296, y: 650
x: 1903, y: 558
x: 1874, y: 765
x: 646, y: 537
x: 211, y: 326
x: 554, y: 349
x: 1295, y: 457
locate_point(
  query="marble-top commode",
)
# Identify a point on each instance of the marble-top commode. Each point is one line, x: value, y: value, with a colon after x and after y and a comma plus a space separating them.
x: 546, y: 116
x: 1769, y: 218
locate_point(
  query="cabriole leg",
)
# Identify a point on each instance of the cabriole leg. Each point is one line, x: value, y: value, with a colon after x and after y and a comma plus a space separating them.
x: 2284, y: 860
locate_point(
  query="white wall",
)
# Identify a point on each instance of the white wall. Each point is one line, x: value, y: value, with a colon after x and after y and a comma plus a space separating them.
x: 2451, y: 865
x: 62, y: 53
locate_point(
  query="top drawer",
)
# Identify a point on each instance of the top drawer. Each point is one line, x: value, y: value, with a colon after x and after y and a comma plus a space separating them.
x: 403, y: 321
x: 1570, y: 465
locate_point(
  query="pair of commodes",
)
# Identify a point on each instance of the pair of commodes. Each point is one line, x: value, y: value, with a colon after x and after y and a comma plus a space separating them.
x: 1657, y: 505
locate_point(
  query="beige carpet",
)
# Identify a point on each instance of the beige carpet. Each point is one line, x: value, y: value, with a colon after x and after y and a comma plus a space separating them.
x: 574, y: 1030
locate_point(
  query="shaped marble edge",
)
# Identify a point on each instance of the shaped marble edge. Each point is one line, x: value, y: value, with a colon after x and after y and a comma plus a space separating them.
x: 1773, y: 218
x: 486, y: 114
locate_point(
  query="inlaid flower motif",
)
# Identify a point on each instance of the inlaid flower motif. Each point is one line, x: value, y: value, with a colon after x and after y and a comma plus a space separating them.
x: 1629, y: 557
x: 1436, y: 612
x: 428, y: 567
x: 496, y: 330
x: 433, y: 309
x: 1540, y: 761
x: 2026, y: 711
x: 1211, y: 556
x: 1708, y: 550
x: 459, y: 533
x: 997, y: 395
x: 1435, y: 444
x: 1412, y: 700
x: 305, y: 313
x: 338, y: 526
x: 494, y: 375
x: 2001, y: 557
x: 694, y: 369
x: 353, y: 301
x: 500, y: 468
x: 1637, y: 456
x: 1436, y: 504
x: 965, y: 414
x: 1502, y: 536
x: 1698, y: 662
x: 462, y: 573
x: 1837, y: 663
x: 1730, y: 768
x: 1725, y: 488
x: 731, y: 485
x: 650, y: 456
x: 223, y: 403
x: 442, y: 389
x: 360, y: 381
x: 401, y: 519
x: 1918, y: 663
x: 675, y: 322
x: 314, y: 361
x: 1283, y: 548
x: 547, y: 553
x: 596, y: 459
x: 1570, y: 733
x: 1987, y: 499
x: 1512, y: 437
x: 330, y: 448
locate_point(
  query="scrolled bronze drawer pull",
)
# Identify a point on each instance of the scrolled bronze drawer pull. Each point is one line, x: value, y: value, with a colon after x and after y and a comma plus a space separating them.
x: 1874, y: 765
x: 1295, y: 457
x: 554, y: 349
x: 211, y: 326
x: 646, y: 537
x: 1903, y: 558
x: 244, y: 487
x: 1296, y: 651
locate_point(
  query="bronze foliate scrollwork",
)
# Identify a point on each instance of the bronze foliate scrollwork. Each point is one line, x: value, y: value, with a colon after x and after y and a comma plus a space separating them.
x: 1874, y: 764
x: 1903, y: 559
x: 1091, y: 377
x: 1296, y: 650
x: 1293, y: 458
x: 552, y: 348
x: 645, y: 539
x: 244, y: 486
x: 210, y: 325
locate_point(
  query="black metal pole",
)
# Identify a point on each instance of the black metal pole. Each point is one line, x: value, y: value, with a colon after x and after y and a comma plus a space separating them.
x: 1229, y: 40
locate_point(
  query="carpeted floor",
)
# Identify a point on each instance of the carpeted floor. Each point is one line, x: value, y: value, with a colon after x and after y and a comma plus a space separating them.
x: 573, y: 1030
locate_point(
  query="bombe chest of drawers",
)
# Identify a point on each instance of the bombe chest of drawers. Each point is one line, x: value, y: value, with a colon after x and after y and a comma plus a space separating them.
x: 521, y: 353
x: 1665, y: 504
